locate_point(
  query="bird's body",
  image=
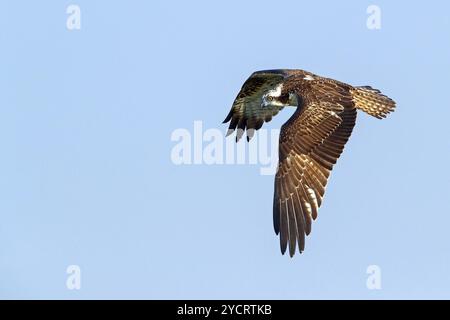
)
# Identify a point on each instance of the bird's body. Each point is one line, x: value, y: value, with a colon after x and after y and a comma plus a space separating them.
x: 310, y: 141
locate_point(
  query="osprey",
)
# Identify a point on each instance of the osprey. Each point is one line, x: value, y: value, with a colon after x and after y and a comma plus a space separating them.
x: 310, y: 142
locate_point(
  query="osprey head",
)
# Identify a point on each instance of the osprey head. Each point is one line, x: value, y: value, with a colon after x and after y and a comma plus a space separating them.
x: 276, y: 98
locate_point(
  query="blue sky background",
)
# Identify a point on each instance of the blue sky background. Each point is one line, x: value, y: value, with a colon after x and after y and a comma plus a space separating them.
x: 87, y: 179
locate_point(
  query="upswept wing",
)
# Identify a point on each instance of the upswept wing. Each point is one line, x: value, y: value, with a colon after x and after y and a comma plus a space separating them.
x: 246, y: 112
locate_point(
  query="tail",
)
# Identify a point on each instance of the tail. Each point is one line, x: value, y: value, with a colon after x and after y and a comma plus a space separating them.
x: 372, y: 101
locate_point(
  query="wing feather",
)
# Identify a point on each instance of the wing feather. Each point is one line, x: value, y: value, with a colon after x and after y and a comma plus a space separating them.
x: 246, y: 112
x: 310, y: 144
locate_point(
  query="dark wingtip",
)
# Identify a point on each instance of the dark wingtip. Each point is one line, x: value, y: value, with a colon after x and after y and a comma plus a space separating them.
x: 228, y: 118
x: 239, y: 134
x: 250, y: 134
x: 283, y: 247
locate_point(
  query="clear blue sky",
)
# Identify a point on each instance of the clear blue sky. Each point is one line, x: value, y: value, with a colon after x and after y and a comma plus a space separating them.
x: 87, y: 179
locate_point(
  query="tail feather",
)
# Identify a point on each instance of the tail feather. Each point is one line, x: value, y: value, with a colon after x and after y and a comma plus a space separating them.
x: 372, y: 101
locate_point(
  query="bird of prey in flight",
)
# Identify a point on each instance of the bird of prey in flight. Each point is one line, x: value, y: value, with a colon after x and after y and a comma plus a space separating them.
x: 310, y: 141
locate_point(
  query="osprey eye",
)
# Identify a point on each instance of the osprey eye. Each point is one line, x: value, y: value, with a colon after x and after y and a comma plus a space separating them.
x: 270, y: 98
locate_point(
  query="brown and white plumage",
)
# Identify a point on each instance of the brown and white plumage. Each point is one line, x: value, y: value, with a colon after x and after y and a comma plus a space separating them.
x: 311, y: 141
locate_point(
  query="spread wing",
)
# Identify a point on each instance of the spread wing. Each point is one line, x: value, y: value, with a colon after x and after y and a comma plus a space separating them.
x: 310, y: 143
x: 246, y: 112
